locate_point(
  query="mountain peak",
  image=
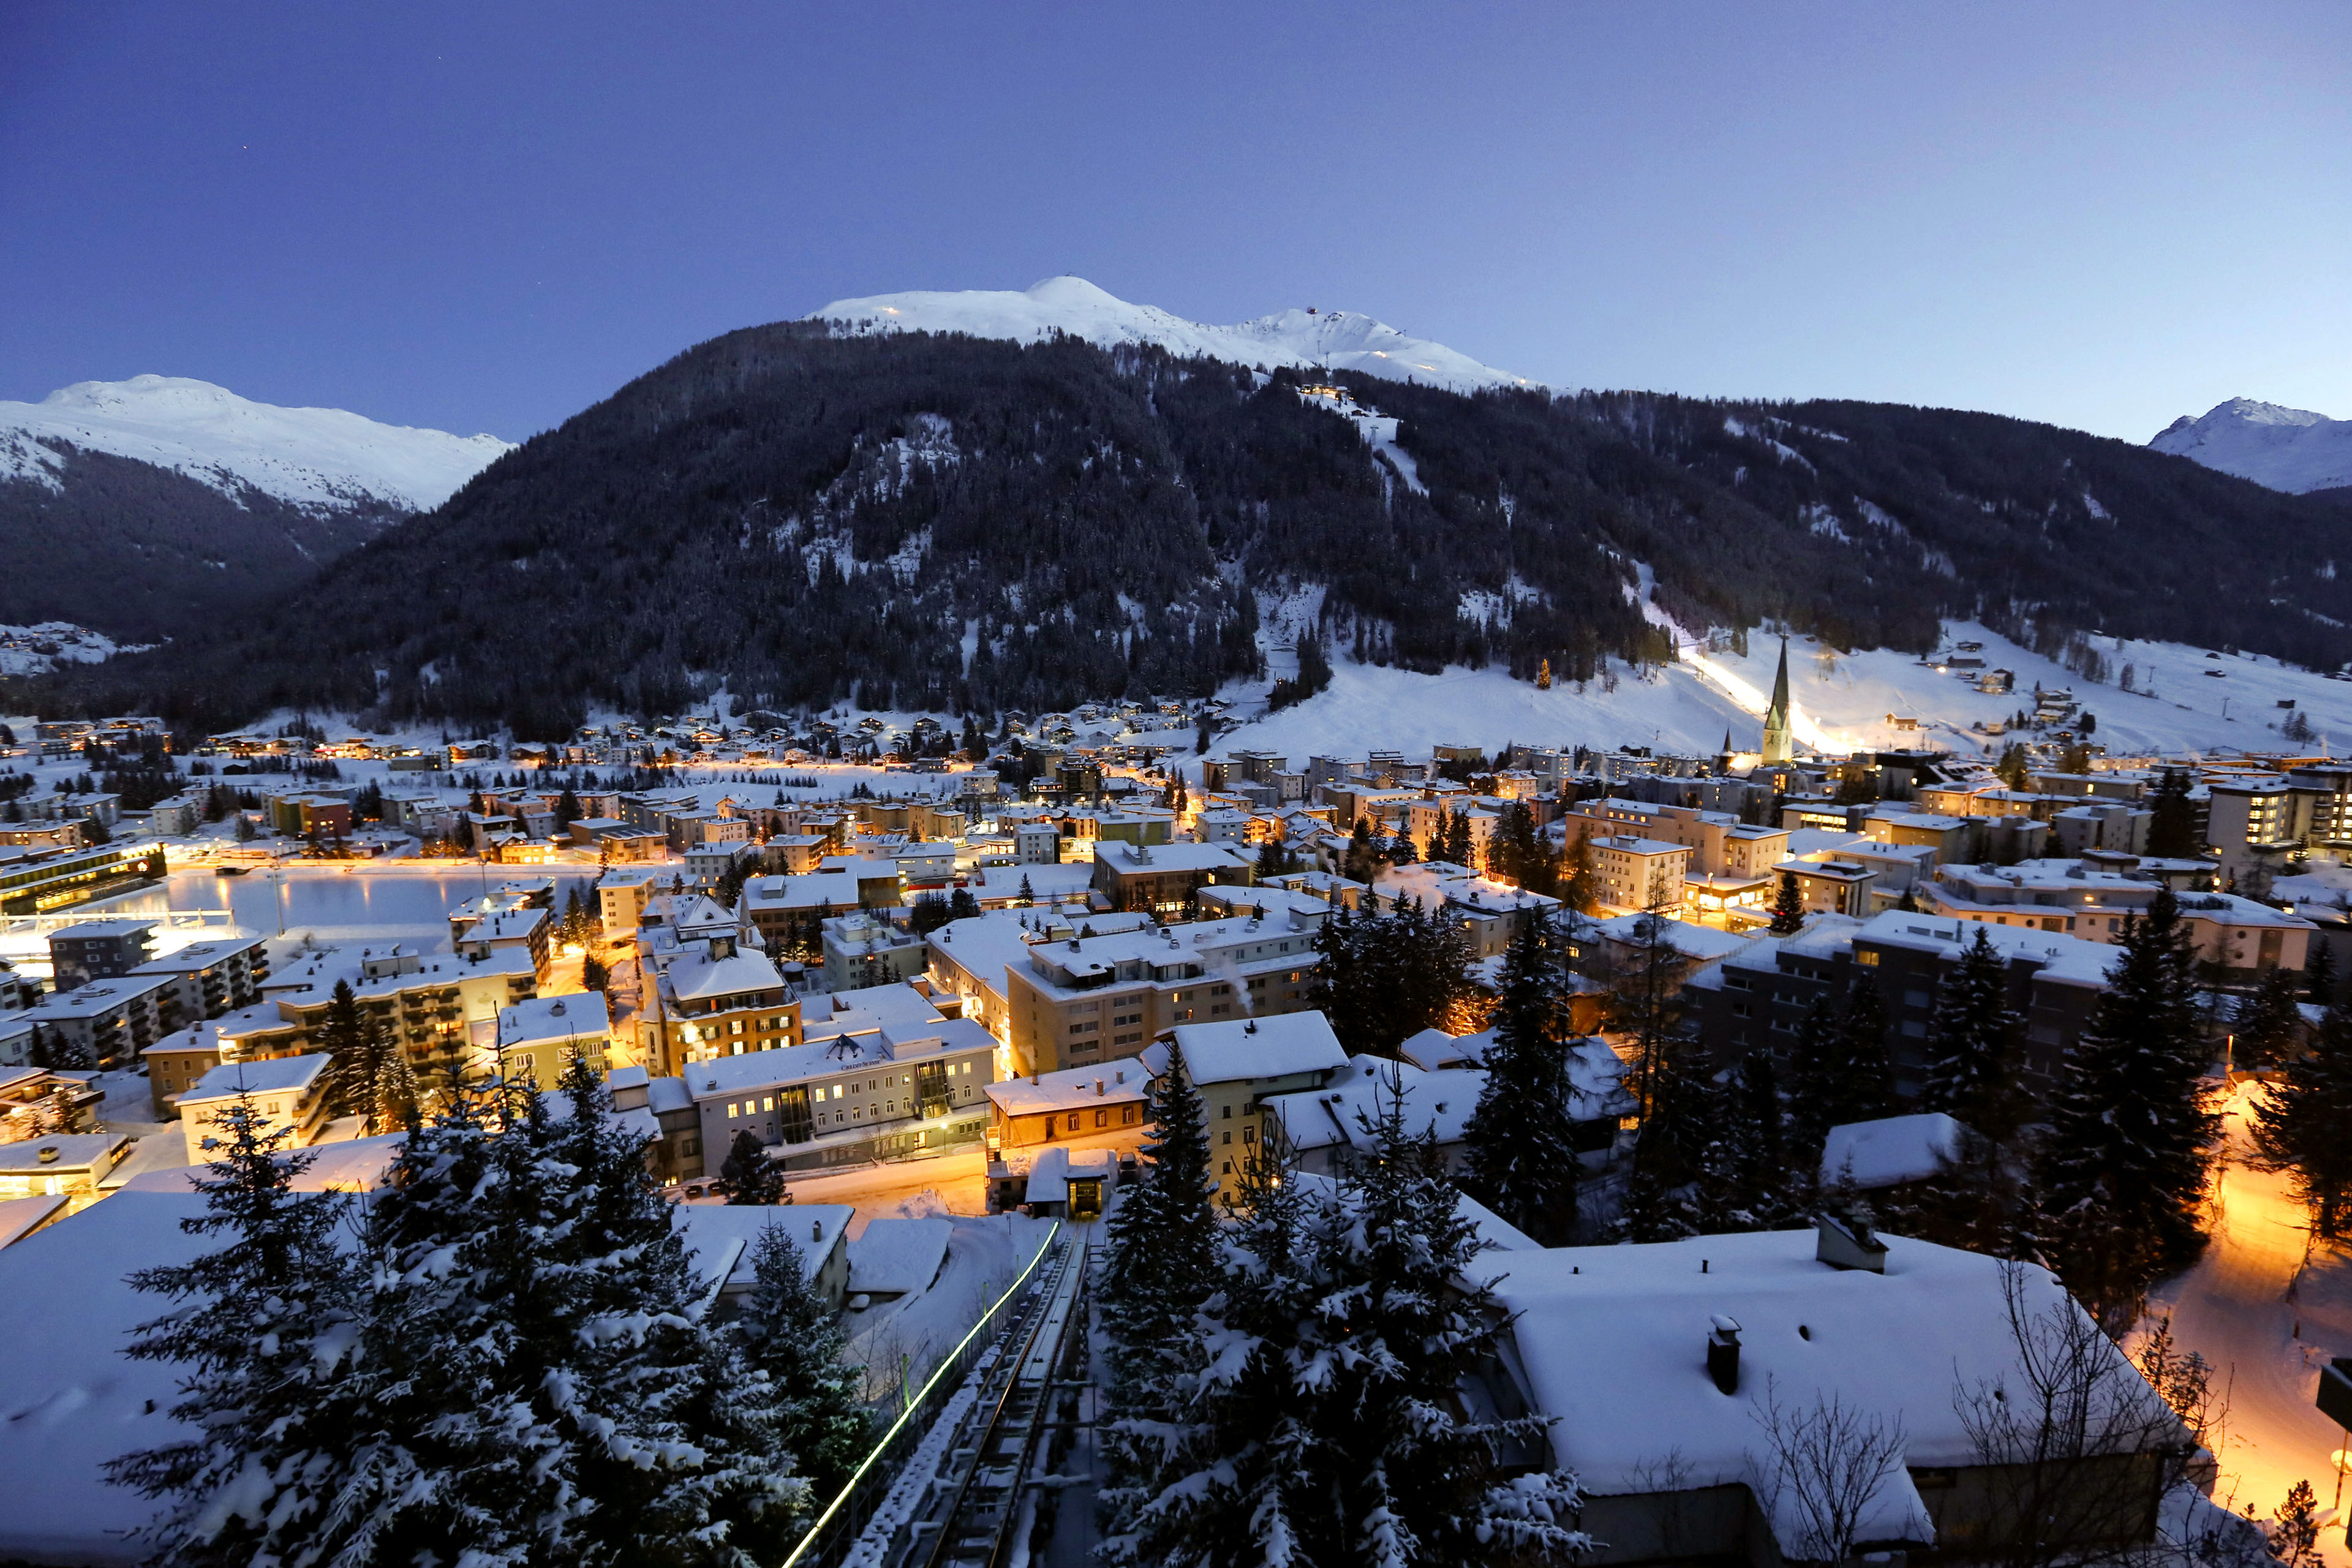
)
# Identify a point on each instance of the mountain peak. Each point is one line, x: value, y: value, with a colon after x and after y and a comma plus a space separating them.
x: 2289, y: 450
x: 1303, y: 337
x: 306, y: 457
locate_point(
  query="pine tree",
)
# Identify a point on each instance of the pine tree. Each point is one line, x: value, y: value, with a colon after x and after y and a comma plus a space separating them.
x: 2299, y: 1122
x: 1787, y: 907
x: 357, y: 1043
x: 1317, y: 1419
x: 747, y: 1174
x: 1160, y: 1262
x: 1747, y: 1180
x: 2172, y: 818
x: 2319, y: 975
x: 2269, y: 1023
x: 261, y: 1331
x: 1970, y: 1073
x: 786, y: 1332
x: 1838, y: 1069
x: 1521, y: 1140
x: 2125, y: 1167
x: 399, y: 1097
x: 1457, y: 838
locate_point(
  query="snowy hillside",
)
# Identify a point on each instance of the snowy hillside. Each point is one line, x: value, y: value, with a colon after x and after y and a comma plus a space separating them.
x: 1339, y: 340
x: 2289, y: 450
x: 313, y: 458
x: 1843, y: 701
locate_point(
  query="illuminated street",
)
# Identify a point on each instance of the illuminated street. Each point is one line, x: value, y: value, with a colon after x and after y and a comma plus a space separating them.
x: 2267, y: 1317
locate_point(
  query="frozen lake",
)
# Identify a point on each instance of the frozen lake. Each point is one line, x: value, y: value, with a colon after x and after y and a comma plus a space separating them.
x: 336, y: 905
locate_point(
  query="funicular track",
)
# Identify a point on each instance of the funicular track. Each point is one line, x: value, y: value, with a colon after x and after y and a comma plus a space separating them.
x: 975, y: 1498
x: 965, y: 1504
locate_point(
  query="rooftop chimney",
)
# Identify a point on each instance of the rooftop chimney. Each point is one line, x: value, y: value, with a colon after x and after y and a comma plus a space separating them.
x: 1723, y: 1352
x: 1842, y: 1245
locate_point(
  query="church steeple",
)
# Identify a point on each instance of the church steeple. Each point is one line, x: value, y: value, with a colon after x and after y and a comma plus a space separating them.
x: 1777, y: 750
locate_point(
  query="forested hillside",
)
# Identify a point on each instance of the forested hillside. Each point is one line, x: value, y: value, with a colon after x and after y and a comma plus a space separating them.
x: 142, y: 553
x: 966, y: 524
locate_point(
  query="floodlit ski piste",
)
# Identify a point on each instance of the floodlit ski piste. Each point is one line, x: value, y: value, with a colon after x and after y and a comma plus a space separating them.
x: 879, y: 909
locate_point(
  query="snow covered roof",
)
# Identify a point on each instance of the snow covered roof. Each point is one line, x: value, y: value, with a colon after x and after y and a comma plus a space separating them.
x: 1612, y: 1342
x: 1890, y: 1150
x: 893, y: 1257
x: 20, y: 1217
x: 352, y: 1165
x: 1336, y: 1112
x: 74, y: 1401
x: 67, y: 1151
x: 1112, y: 1083
x: 576, y: 1016
x: 279, y: 1075
x: 698, y: 977
x: 721, y: 1238
x: 1432, y: 1050
x: 1253, y: 1048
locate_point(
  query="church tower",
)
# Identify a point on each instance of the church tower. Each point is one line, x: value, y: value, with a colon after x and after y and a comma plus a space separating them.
x: 1777, y: 751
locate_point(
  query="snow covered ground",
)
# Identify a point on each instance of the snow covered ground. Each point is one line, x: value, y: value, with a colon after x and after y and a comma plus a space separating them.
x: 2267, y: 1309
x: 1337, y: 340
x: 1843, y: 701
x: 309, y: 457
x: 2289, y: 450
x: 45, y: 645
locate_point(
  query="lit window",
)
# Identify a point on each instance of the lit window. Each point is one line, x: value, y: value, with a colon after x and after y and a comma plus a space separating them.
x: 730, y: 1108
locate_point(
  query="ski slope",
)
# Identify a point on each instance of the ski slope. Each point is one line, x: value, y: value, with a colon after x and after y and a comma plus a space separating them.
x: 1313, y: 338
x: 317, y: 458
x: 1842, y: 702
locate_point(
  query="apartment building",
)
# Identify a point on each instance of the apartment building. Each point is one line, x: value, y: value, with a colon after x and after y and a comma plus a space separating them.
x: 113, y: 1020
x: 1161, y: 879
x: 903, y: 1085
x: 723, y: 999
x: 288, y: 1094
x: 1757, y: 997
x: 1095, y: 999
x: 1632, y: 873
x: 2092, y: 902
x: 538, y: 1036
x: 207, y: 979
x: 1238, y: 1065
x: 99, y: 949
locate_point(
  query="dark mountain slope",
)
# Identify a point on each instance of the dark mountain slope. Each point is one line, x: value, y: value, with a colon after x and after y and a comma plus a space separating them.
x: 142, y: 553
x: 957, y: 523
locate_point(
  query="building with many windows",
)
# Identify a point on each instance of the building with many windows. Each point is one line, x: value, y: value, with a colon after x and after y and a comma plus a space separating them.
x: 1095, y: 999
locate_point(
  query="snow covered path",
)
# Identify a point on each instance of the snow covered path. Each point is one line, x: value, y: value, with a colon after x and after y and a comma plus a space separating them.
x: 2267, y: 1316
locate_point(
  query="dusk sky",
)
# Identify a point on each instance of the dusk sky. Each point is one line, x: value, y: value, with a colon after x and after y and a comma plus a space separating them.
x: 487, y: 217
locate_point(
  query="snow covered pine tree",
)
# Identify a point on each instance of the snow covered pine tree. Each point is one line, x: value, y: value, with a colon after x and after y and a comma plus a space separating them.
x: 2124, y: 1170
x: 1317, y: 1421
x: 264, y: 1330
x: 1522, y: 1147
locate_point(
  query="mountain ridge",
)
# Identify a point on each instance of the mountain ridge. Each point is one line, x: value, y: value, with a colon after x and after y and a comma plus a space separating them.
x: 147, y: 507
x: 1299, y: 338
x: 2289, y: 450
x: 914, y: 520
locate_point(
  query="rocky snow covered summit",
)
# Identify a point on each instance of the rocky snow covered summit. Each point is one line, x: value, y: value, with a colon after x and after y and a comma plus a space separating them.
x: 1303, y: 338
x: 147, y: 507
x: 306, y: 457
x: 2289, y: 450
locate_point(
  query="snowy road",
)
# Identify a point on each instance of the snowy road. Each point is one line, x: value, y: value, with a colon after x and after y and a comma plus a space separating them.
x: 2268, y: 1315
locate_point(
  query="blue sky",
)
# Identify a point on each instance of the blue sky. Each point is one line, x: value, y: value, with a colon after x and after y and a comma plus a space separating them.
x: 487, y: 217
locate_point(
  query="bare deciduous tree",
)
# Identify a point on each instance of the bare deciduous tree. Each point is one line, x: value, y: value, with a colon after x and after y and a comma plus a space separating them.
x: 2083, y: 1451
x: 1829, y: 1462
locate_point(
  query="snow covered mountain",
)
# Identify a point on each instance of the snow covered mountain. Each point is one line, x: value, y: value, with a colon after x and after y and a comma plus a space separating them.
x: 2289, y: 450
x: 1337, y: 340
x: 309, y: 458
